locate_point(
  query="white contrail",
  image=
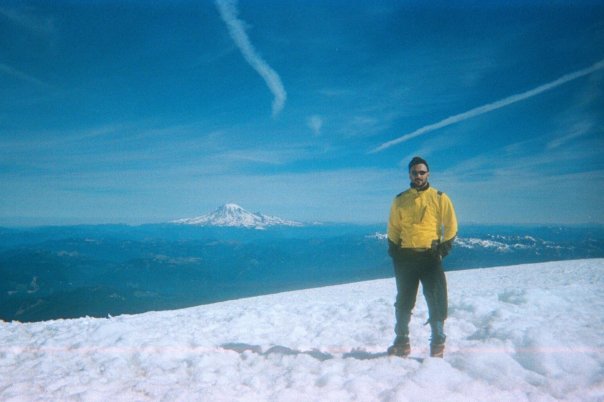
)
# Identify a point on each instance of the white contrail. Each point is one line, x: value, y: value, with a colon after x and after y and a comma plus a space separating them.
x: 228, y: 12
x: 492, y: 106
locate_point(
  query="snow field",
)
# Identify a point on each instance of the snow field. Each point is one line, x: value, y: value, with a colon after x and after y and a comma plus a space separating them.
x: 521, y: 333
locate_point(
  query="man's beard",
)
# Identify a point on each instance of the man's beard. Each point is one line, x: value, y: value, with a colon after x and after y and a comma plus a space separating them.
x: 419, y: 184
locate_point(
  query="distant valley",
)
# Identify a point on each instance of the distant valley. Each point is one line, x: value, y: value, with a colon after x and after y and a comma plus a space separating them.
x: 100, y: 270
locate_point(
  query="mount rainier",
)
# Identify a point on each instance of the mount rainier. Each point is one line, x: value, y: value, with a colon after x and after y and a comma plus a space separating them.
x: 232, y: 215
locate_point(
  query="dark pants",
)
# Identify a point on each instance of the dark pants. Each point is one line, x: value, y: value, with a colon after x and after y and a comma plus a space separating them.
x: 411, y: 268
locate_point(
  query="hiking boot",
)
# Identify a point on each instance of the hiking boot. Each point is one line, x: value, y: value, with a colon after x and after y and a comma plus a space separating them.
x: 437, y: 342
x: 401, y: 347
x: 437, y: 350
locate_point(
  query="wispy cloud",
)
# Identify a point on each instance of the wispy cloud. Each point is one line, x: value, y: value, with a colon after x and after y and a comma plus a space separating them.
x: 518, y: 165
x: 365, y: 124
x: 229, y: 13
x: 493, y: 106
x: 578, y: 130
x: 29, y: 21
x: 515, y: 185
x: 13, y: 72
x: 271, y: 155
x: 315, y: 123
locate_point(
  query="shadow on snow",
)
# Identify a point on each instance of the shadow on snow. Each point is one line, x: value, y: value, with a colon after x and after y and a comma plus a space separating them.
x: 358, y: 354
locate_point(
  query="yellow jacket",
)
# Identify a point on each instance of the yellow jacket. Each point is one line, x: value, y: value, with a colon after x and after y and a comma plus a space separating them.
x: 417, y: 218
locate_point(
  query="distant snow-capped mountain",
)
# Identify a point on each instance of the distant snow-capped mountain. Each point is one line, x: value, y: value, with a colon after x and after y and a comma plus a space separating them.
x: 232, y: 215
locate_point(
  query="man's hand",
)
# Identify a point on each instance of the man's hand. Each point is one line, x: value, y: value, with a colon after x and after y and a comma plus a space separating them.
x: 441, y: 249
x: 393, y: 249
x: 445, y: 247
x: 435, y: 249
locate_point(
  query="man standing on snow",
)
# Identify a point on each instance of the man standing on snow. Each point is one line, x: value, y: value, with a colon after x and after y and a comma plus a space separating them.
x: 421, y: 230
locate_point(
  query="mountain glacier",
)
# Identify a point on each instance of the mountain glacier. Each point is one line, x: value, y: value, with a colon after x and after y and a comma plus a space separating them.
x: 232, y: 215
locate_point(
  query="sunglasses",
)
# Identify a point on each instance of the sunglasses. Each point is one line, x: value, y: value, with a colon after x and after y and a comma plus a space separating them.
x: 418, y: 173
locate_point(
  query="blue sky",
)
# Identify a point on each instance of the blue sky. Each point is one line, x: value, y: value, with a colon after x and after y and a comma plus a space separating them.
x: 139, y: 112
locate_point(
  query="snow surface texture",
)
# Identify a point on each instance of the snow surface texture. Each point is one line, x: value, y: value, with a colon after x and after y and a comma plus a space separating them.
x: 520, y: 333
x: 232, y: 215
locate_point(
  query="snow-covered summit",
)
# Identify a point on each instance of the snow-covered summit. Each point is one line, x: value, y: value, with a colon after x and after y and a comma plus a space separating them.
x: 518, y: 333
x: 232, y: 215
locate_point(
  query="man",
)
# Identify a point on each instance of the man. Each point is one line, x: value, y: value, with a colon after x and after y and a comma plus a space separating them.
x: 421, y: 230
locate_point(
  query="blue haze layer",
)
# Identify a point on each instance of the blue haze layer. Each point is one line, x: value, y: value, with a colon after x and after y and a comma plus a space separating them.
x: 66, y: 272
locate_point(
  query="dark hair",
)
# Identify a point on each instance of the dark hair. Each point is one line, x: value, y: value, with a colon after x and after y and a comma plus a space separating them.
x: 416, y: 161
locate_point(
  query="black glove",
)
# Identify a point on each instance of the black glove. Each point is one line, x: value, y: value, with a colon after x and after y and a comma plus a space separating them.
x: 435, y: 249
x: 441, y: 250
x: 445, y: 247
x: 393, y: 249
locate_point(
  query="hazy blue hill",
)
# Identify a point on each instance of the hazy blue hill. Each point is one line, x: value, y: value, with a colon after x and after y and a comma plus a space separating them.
x: 60, y: 272
x: 33, y: 271
x: 11, y: 237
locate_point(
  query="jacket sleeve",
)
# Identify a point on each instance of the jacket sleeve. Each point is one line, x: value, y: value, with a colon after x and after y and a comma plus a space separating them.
x: 449, y: 220
x: 394, y: 225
